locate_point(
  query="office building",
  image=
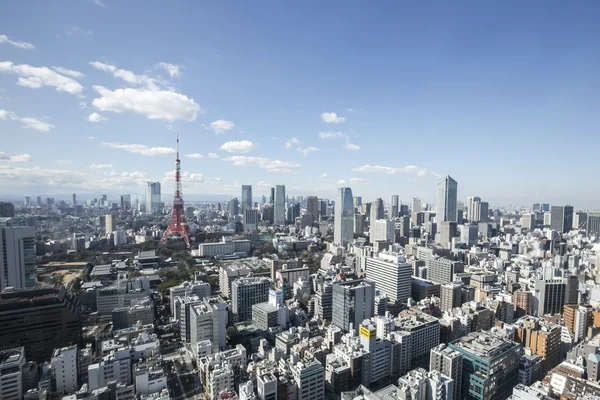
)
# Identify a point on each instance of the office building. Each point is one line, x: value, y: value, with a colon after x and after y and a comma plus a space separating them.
x: 473, y: 209
x: 279, y: 205
x: 424, y: 331
x: 490, y: 365
x: 469, y: 234
x: 266, y: 386
x: 309, y: 376
x: 447, y: 231
x: 27, y: 201
x: 115, y: 366
x: 359, y: 224
x: 447, y: 190
x: 74, y: 201
x: 578, y: 318
x: 153, y: 199
x: 17, y: 257
x: 64, y: 369
x: 592, y: 226
x: 450, y: 295
x: 251, y: 219
x: 383, y: 230
x: 7, y: 210
x: 543, y: 338
x: 208, y: 321
x: 353, y: 302
x: 110, y: 221
x: 246, y: 197
x: 416, y: 205
x: 40, y: 320
x: 448, y: 362
x: 544, y: 207
x: 527, y: 221
x: 377, y: 210
x: 523, y: 303
x: 12, y: 365
x: 561, y: 219
x: 549, y: 296
x: 312, y: 207
x: 150, y: 378
x: 442, y: 270
x: 140, y: 311
x: 126, y: 202
x: 391, y: 274
x: 225, y: 247
x: 293, y: 212
x: 246, y: 292
x: 394, y: 206
x: 343, y: 232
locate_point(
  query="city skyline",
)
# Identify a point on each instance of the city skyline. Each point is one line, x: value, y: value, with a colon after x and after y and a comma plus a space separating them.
x: 87, y: 115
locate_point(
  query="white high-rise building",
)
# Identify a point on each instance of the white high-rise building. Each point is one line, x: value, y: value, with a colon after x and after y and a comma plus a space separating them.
x: 383, y: 229
x: 392, y: 275
x: 17, y: 257
x: 115, y: 366
x: 309, y: 375
x: 64, y: 369
x: 343, y: 231
x: 153, y: 200
x: 416, y: 205
x: 110, y: 222
x: 473, y: 208
x: 448, y: 362
x: 394, y: 206
x: 447, y: 190
x: 208, y: 321
x: 246, y: 197
x: 279, y: 211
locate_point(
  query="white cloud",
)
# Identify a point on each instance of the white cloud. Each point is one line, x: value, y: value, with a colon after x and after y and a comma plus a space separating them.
x: 351, y: 146
x: 76, y: 30
x: 172, y: 69
x: 17, y: 158
x: 409, y: 169
x: 332, y: 118
x: 62, y: 162
x: 262, y: 162
x: 221, y: 126
x: 306, y: 150
x: 99, y: 3
x: 100, y: 166
x: 154, y: 104
x: 28, y: 122
x: 141, y: 149
x: 213, y: 155
x: 324, y: 176
x: 331, y: 135
x: 68, y: 72
x: 36, y: 77
x: 36, y: 177
x: 342, y: 182
x: 95, y: 117
x: 359, y: 181
x: 16, y: 43
x: 291, y: 142
x: 91, y: 138
x: 243, y: 146
x: 194, y: 155
x: 127, y: 76
x: 264, y: 185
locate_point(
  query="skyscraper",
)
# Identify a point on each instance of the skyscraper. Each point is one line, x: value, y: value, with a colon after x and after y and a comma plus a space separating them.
x: 7, y: 210
x: 343, y: 231
x: 394, y: 206
x: 272, y: 197
x: 279, y: 212
x: 592, y: 226
x: 473, y: 208
x: 561, y: 219
x: 126, y: 202
x: 153, y: 200
x: 17, y: 257
x: 27, y: 201
x: 446, y: 199
x: 416, y: 205
x: 353, y: 302
x: 312, y: 207
x: 110, y: 221
x: 74, y: 198
x: 246, y: 197
x: 377, y: 211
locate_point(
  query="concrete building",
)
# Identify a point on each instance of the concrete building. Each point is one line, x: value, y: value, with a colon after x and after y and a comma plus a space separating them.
x: 12, y: 364
x: 246, y: 197
x: 153, y: 199
x: 383, y: 230
x: 309, y: 376
x: 264, y: 316
x: 225, y: 247
x: 251, y: 220
x: 246, y: 292
x: 394, y: 206
x: 65, y: 370
x: 442, y: 270
x: 120, y: 295
x: 377, y: 210
x: 578, y: 318
x: 548, y: 296
x: 266, y: 386
x: 391, y: 274
x: 359, y: 224
x: 140, y: 310
x: 561, y: 219
x: 592, y: 226
x: 110, y: 222
x: 450, y: 363
x: 17, y: 257
x: 416, y: 205
x: 353, y: 302
x: 543, y: 338
x: 450, y: 295
x: 424, y: 335
x: 115, y: 366
x: 447, y: 231
x: 446, y: 200
x: 523, y: 302
x: 469, y: 234
x: 208, y: 321
x: 527, y: 221
x: 149, y: 378
x: 312, y: 207
x: 200, y: 289
x: 228, y: 274
x: 343, y: 231
x: 279, y: 211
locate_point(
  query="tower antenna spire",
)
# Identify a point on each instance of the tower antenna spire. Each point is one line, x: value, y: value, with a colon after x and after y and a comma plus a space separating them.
x: 178, y: 145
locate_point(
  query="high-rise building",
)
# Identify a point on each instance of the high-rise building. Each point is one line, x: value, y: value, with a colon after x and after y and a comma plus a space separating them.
x: 391, y: 274
x: 450, y: 363
x: 353, y: 302
x: 484, y: 210
x: 27, y: 201
x: 394, y: 206
x: 343, y: 231
x: 293, y: 212
x: 64, y: 369
x: 12, y: 365
x: 153, y: 199
x: 110, y: 221
x: 447, y: 190
x: 527, y: 221
x: 416, y: 205
x: 17, y: 257
x: 39, y: 200
x: 592, y: 226
x: 473, y: 208
x: 490, y: 365
x: 251, y: 219
x: 312, y: 207
x: 7, y: 210
x: 383, y: 230
x: 561, y: 219
x: 523, y: 303
x: 549, y: 296
x: 543, y: 338
x: 208, y: 321
x: 450, y: 295
x: 246, y: 197
x: 442, y: 270
x: 40, y: 320
x: 447, y: 231
x: 126, y: 202
x: 377, y: 210
x: 578, y: 318
x: 279, y: 211
x: 544, y: 207
x: 357, y: 202
x: 272, y: 197
x: 246, y: 292
x: 309, y: 376
x: 74, y: 199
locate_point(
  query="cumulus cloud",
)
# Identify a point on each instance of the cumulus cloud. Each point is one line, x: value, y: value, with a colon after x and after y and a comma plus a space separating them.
x: 262, y: 162
x: 76, y: 30
x: 69, y: 72
x: 27, y: 122
x: 36, y: 77
x: 213, y: 155
x: 194, y: 155
x: 342, y: 182
x: 100, y: 166
x: 351, y: 146
x: 153, y: 104
x: 141, y: 149
x: 409, y: 169
x: 16, y: 43
x: 17, y: 158
x: 332, y: 118
x: 127, y: 76
x: 307, y: 150
x: 221, y: 126
x: 331, y: 135
x: 324, y: 176
x: 172, y: 69
x: 291, y: 142
x: 243, y: 146
x: 95, y: 117
x: 36, y: 177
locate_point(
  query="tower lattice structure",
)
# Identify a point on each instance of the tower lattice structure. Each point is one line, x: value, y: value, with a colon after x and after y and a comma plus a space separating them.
x: 178, y: 225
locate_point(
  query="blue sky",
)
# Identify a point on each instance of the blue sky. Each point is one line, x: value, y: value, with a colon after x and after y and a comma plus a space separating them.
x: 384, y: 97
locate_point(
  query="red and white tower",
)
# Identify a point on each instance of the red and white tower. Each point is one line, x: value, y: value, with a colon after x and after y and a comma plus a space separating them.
x: 178, y: 225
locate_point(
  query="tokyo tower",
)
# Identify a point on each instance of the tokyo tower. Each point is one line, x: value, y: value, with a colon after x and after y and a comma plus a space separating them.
x: 178, y: 225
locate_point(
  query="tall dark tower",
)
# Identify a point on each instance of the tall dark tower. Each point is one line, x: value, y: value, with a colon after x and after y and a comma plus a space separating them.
x: 178, y: 225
